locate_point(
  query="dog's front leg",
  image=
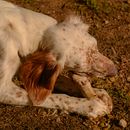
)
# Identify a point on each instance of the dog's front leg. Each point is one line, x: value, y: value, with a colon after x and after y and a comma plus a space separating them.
x: 91, y: 108
x: 85, y: 86
x: 91, y: 93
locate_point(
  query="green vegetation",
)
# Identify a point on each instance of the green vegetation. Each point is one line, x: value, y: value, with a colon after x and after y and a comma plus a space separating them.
x: 97, y: 7
x: 92, y: 4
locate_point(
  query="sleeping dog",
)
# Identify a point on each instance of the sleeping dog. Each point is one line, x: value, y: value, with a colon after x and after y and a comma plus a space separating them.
x: 49, y: 48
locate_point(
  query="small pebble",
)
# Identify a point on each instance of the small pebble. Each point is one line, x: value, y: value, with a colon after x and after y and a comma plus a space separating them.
x: 123, y: 123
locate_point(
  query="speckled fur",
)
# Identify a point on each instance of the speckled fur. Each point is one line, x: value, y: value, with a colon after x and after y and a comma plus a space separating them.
x: 23, y: 31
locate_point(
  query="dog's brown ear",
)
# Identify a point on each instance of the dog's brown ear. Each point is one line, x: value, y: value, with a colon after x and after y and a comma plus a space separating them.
x: 39, y: 73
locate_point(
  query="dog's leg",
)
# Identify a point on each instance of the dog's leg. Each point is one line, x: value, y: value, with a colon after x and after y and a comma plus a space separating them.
x: 90, y: 92
x: 91, y: 108
x: 85, y: 86
x: 9, y: 92
x: 104, y: 96
x: 14, y: 95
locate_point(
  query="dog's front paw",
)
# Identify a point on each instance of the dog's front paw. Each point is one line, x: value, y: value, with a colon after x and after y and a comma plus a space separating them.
x: 99, y: 105
x: 97, y: 108
x: 103, y: 95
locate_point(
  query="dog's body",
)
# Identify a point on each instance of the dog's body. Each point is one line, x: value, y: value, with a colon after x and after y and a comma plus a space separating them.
x: 23, y: 32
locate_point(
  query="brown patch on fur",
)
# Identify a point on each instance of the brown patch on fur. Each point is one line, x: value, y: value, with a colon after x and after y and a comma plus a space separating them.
x: 83, y: 83
x: 11, y: 25
x: 60, y: 99
x: 1, y: 52
x: 76, y: 102
x: 52, y: 99
x: 90, y: 109
x: 67, y: 102
x: 18, y: 94
x: 39, y: 73
x: 1, y: 74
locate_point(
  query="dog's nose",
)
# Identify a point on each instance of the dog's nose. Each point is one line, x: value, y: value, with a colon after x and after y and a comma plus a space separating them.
x: 112, y: 70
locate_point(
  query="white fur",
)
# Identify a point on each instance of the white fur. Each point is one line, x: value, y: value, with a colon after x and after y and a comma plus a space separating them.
x: 23, y: 31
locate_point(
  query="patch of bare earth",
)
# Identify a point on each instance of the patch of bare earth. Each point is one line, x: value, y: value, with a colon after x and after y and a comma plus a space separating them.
x: 110, y: 24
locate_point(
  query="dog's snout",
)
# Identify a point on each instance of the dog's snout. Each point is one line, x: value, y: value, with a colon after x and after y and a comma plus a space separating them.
x: 104, y: 66
x: 111, y: 70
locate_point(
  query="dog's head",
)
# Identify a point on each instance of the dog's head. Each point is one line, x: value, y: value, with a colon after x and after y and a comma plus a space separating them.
x: 87, y: 58
x: 98, y: 64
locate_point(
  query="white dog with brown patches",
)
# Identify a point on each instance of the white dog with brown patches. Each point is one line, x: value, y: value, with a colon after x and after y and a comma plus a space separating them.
x: 66, y: 45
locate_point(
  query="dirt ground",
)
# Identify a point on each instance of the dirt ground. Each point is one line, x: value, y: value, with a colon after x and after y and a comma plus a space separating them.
x: 110, y: 24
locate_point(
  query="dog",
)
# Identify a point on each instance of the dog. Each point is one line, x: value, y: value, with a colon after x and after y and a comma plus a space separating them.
x: 47, y: 48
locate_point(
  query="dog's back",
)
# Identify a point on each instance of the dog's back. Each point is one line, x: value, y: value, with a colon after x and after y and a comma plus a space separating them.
x: 27, y: 26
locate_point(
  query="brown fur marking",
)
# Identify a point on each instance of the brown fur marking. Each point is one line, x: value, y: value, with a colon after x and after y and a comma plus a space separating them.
x: 39, y: 73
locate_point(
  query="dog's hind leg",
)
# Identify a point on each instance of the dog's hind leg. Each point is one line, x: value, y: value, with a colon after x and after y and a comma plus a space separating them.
x: 9, y: 92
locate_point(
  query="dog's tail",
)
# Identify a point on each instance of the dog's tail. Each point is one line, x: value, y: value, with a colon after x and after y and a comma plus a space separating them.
x: 39, y: 73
